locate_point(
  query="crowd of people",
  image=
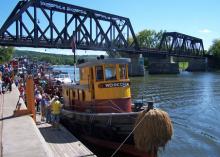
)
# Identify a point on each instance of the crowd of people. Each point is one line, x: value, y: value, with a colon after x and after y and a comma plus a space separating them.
x: 6, y: 78
x: 48, y: 108
x: 47, y: 101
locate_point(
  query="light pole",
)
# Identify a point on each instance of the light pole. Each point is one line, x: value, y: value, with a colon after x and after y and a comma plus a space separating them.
x: 73, y: 44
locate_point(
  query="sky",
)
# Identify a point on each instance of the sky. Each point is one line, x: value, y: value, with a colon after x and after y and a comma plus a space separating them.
x: 199, y: 18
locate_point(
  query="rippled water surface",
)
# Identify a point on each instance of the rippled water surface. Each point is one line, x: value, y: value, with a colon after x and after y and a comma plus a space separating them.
x: 193, y: 103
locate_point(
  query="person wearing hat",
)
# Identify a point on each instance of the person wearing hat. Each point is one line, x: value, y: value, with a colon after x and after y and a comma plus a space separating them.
x: 55, y: 111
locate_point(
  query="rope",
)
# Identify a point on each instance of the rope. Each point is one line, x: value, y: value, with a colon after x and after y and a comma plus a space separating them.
x: 127, y: 137
x: 119, y: 108
x: 116, y: 106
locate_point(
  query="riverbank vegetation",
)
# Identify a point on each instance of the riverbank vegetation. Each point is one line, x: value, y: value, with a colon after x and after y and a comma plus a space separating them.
x: 214, y: 51
x: 55, y: 59
x: 6, y: 54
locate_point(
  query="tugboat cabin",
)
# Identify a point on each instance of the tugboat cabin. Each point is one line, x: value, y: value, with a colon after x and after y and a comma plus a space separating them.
x: 104, y: 87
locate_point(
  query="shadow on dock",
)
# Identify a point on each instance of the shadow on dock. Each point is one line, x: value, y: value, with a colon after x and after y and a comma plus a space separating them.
x: 6, y: 118
x: 62, y: 142
x: 53, y: 135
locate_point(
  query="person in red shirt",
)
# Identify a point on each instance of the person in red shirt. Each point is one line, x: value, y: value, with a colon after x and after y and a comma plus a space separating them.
x: 21, y: 90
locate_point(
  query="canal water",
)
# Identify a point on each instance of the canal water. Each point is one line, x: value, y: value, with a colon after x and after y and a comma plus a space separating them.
x: 193, y: 102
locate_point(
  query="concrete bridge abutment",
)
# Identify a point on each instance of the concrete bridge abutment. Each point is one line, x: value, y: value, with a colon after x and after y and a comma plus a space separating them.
x: 136, y: 66
x: 163, y: 65
x: 195, y: 64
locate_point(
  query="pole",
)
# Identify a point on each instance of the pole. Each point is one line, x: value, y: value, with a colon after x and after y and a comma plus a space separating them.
x: 73, y: 44
x: 74, y: 72
x: 30, y: 96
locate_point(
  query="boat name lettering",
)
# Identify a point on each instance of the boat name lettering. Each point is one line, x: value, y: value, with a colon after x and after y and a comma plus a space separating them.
x: 114, y: 84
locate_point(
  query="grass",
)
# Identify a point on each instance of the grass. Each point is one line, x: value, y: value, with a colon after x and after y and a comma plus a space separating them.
x: 183, y: 65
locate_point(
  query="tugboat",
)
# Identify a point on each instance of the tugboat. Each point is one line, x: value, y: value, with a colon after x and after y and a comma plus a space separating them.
x: 99, y: 108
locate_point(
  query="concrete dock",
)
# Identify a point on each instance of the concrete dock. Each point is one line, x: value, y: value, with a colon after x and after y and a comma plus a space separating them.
x: 20, y: 137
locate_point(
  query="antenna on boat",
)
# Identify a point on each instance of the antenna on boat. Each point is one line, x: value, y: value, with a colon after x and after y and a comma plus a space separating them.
x: 73, y: 44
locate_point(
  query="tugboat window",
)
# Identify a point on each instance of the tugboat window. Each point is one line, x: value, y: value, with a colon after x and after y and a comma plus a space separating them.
x: 122, y: 71
x: 99, y: 73
x: 110, y: 72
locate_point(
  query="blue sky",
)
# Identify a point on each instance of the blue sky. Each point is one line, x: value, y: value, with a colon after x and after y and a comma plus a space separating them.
x: 199, y: 18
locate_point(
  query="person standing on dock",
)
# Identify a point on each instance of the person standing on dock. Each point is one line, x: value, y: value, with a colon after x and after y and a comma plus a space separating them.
x: 56, y: 109
x: 1, y: 83
x: 16, y: 80
x: 43, y: 107
x: 21, y: 90
x: 48, y: 109
x: 38, y: 98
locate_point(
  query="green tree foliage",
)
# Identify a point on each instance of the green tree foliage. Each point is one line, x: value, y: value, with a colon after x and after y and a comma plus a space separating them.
x: 215, y: 51
x: 215, y: 48
x: 146, y: 38
x: 6, y: 54
x: 55, y: 59
x: 149, y: 38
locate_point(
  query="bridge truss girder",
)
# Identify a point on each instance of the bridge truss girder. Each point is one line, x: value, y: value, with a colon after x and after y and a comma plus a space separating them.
x: 50, y: 24
x: 180, y: 44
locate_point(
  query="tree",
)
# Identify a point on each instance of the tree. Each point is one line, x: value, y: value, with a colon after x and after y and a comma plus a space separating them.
x: 215, y: 51
x: 146, y: 38
x: 215, y: 48
x: 6, y: 54
x: 149, y: 38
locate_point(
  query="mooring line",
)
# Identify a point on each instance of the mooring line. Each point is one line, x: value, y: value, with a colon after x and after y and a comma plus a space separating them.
x: 127, y: 137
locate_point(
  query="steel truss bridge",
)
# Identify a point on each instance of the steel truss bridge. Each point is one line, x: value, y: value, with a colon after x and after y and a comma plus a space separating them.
x: 52, y: 24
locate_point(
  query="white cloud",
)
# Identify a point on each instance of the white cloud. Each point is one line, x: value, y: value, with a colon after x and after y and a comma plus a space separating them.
x: 206, y: 31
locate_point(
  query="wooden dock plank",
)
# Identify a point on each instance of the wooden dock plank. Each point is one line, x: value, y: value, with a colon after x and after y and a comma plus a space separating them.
x: 62, y: 142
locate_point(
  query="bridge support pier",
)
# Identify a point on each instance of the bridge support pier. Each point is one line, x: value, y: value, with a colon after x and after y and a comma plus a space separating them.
x: 136, y: 66
x: 195, y: 65
x: 163, y: 65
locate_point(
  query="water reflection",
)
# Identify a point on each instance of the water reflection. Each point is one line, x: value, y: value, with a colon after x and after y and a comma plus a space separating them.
x: 192, y: 101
